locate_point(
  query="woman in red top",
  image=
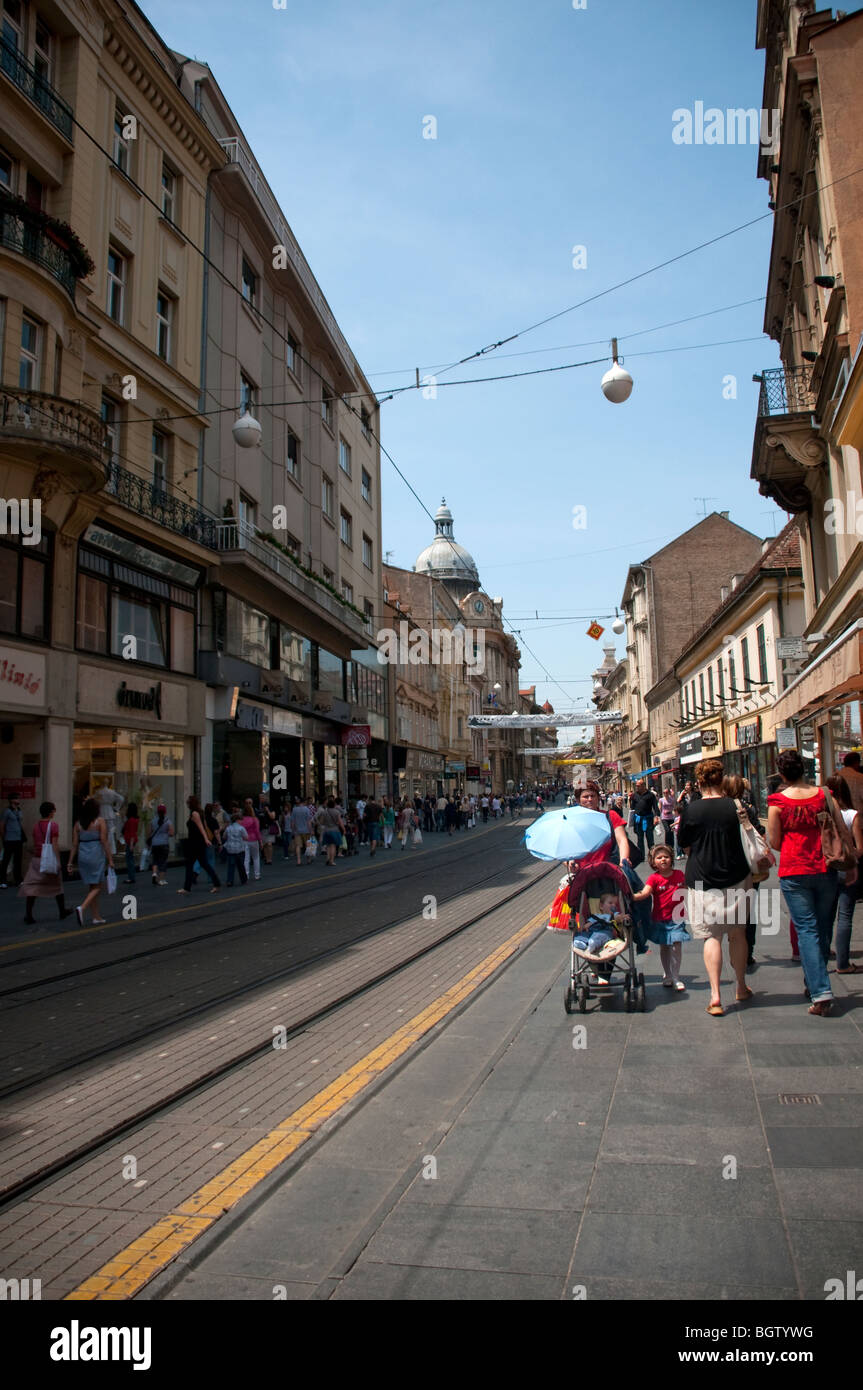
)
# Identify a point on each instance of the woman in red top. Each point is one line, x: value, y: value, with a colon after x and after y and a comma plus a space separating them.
x: 810, y: 889
x: 617, y: 844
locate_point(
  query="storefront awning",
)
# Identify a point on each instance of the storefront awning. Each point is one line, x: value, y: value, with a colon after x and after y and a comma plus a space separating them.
x: 835, y: 675
x: 646, y: 772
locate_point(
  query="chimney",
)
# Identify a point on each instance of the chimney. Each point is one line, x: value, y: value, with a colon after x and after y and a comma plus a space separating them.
x: 724, y: 516
x: 723, y: 594
x: 735, y: 581
x: 766, y: 544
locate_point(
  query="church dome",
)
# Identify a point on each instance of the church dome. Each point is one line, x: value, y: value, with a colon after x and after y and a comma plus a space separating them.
x: 445, y: 558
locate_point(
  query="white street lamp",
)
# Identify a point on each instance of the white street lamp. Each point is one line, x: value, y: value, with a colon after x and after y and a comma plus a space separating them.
x: 617, y: 383
x: 246, y: 431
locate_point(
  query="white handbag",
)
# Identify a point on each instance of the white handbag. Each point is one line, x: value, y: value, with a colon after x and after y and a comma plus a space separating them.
x: 48, y: 862
x: 759, y: 855
x: 418, y: 837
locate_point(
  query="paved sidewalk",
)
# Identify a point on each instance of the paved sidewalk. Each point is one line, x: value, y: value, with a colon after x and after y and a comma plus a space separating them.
x: 666, y: 1159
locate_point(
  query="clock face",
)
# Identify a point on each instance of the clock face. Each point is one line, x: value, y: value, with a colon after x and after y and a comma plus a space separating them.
x: 479, y: 606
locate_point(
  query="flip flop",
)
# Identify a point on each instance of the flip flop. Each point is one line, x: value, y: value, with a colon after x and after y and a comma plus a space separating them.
x: 742, y: 998
x: 851, y: 970
x: 716, y: 1010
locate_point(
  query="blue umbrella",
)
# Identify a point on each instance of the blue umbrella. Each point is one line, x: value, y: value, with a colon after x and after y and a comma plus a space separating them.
x: 567, y: 834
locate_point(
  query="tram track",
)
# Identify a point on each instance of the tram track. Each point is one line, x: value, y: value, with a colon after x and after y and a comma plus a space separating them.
x: 322, y: 886
x: 16, y: 1191
x: 226, y: 996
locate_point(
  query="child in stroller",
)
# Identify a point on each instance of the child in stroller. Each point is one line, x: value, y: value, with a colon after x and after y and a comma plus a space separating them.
x: 603, y: 948
x: 601, y: 927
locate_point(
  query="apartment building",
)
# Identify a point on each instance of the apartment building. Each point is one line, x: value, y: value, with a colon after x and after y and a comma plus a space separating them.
x: 103, y: 176
x: 809, y: 427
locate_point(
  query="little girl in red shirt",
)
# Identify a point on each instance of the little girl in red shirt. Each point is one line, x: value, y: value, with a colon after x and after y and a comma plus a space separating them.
x: 666, y: 886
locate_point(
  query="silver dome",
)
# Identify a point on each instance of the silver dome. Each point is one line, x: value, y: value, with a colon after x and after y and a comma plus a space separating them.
x: 445, y: 558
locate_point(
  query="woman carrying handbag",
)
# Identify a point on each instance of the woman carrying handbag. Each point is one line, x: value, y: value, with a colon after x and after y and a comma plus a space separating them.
x: 43, y: 878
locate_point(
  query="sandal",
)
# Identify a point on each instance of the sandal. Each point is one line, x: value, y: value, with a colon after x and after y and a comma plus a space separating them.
x: 742, y: 998
x: 822, y: 1008
x: 716, y: 1010
x: 850, y: 970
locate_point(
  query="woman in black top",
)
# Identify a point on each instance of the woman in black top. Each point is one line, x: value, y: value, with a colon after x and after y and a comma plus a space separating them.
x: 717, y: 879
x: 644, y: 809
x: 197, y: 845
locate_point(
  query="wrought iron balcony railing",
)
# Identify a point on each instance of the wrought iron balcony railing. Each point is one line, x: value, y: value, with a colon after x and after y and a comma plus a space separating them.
x: 36, y: 245
x: 785, y: 391
x: 45, y: 419
x: 34, y: 86
x: 152, y: 500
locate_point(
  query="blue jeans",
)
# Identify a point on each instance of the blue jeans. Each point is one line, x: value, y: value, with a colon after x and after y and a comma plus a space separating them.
x: 811, y: 901
x: 592, y: 943
x: 848, y: 897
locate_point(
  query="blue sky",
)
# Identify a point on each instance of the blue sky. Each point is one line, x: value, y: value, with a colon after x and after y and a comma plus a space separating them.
x: 553, y: 130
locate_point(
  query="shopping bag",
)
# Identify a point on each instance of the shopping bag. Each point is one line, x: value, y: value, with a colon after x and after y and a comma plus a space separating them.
x: 759, y: 855
x: 48, y: 863
x: 561, y: 912
x: 311, y: 847
x: 659, y: 834
x: 418, y: 837
x: 344, y: 843
x: 111, y: 881
x: 145, y: 859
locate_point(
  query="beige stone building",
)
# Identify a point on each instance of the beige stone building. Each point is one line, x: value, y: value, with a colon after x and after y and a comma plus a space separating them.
x: 100, y: 311
x: 809, y: 428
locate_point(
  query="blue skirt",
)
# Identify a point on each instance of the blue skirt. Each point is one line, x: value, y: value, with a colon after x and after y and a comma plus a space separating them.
x: 667, y: 933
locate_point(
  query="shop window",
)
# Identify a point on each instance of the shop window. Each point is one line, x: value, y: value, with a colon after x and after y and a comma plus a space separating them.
x: 25, y: 587
x: 330, y: 673
x: 92, y: 620
x: 133, y: 617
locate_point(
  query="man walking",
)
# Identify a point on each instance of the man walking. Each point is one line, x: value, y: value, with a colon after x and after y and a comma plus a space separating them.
x: 373, y: 811
x: 302, y: 817
x: 12, y: 831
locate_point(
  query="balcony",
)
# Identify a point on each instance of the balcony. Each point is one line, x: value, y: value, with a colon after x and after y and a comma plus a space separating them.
x: 44, y: 426
x: 25, y: 77
x: 787, y: 449
x: 150, y: 500
x: 237, y: 538
x: 237, y: 154
x: 20, y: 233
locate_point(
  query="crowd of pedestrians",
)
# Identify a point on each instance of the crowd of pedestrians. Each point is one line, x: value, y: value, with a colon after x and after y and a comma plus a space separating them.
x: 239, y: 840
x: 813, y: 838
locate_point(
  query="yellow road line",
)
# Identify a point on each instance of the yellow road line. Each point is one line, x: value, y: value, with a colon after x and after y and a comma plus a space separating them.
x: 171, y: 912
x: 127, y: 1272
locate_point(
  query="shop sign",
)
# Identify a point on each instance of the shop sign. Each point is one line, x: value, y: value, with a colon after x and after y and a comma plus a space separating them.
x: 22, y: 787
x: 139, y: 555
x: 320, y: 731
x: 249, y: 716
x: 273, y: 683
x: 141, y: 699
x: 709, y: 738
x: 472, y: 771
x: 277, y: 721
x: 322, y: 701
x: 22, y: 677
x: 786, y: 738
x: 690, y: 748
x: 454, y: 767
x: 357, y: 736
x: 749, y: 735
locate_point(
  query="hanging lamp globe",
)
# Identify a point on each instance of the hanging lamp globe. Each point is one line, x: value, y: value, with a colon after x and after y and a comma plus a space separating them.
x: 617, y: 383
x: 246, y: 431
x: 618, y: 626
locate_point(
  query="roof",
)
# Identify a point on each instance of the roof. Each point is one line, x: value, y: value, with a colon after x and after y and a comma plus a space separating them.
x: 782, y: 554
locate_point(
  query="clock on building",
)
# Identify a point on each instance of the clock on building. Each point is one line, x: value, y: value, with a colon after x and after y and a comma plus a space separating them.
x: 479, y: 606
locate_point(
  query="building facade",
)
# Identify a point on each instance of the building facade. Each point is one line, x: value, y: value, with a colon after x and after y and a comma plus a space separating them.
x: 809, y: 428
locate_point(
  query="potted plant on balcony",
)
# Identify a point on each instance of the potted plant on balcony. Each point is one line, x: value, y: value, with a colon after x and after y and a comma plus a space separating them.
x: 60, y: 233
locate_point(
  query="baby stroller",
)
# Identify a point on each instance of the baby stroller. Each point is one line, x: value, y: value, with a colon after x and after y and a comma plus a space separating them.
x: 614, y: 965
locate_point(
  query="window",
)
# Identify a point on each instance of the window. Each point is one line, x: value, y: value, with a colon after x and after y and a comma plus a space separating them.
x: 762, y: 652
x: 330, y: 673
x: 136, y: 615
x: 111, y: 420
x: 326, y: 496
x: 369, y: 615
x: 732, y: 674
x: 293, y: 463
x: 160, y: 460
x: 367, y: 553
x: 347, y: 591
x: 164, y: 324
x: 292, y: 355
x: 367, y: 486
x: 248, y: 633
x: 720, y: 674
x: 117, y: 279
x: 293, y: 545
x: 345, y: 457
x: 25, y: 585
x: 249, y: 284
x: 346, y: 530
x: 692, y: 689
x: 121, y: 147
x: 42, y: 55
x: 92, y: 620
x: 247, y: 513
x: 710, y: 684
x: 13, y: 31
x: 58, y: 367
x: 169, y: 192
x: 7, y: 172
x: 327, y: 574
x: 365, y: 423
x: 116, y: 602
x: 248, y: 395
x: 327, y: 404
x: 701, y: 690
x: 28, y: 366
x: 744, y: 650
